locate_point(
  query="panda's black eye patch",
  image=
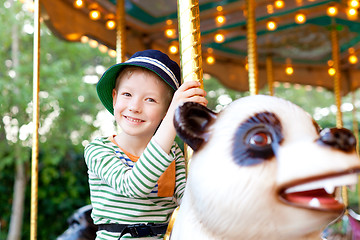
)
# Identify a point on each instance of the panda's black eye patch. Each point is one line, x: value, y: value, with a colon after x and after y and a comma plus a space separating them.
x: 256, y: 139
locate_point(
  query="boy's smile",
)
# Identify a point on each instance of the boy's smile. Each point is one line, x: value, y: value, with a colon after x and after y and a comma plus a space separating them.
x: 140, y: 104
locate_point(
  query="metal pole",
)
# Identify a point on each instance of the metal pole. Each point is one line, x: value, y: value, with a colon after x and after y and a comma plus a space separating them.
x: 337, y: 83
x: 190, y: 47
x: 270, y: 74
x: 190, y: 62
x: 251, y: 44
x: 337, y: 90
x: 35, y: 139
x: 120, y: 31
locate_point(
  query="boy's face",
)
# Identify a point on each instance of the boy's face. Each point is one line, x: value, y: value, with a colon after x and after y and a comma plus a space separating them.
x: 140, y: 103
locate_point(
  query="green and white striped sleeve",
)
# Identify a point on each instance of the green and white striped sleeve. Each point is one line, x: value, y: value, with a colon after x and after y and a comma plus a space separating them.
x: 136, y: 182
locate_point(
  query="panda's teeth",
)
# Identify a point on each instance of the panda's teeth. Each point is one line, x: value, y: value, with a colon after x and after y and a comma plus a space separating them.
x: 328, y: 184
x: 329, y: 188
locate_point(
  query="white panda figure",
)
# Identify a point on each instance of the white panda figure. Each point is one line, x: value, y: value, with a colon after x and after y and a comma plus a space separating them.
x: 261, y: 169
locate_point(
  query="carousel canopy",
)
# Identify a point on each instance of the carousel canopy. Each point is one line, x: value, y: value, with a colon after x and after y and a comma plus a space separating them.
x: 301, y: 37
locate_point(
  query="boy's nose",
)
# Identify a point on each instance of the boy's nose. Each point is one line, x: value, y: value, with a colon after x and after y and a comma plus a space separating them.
x: 135, y: 105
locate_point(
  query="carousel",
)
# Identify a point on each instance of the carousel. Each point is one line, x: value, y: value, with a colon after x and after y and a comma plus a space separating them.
x: 247, y: 45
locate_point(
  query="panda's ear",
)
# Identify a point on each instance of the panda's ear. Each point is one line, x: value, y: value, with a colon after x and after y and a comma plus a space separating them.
x: 192, y: 121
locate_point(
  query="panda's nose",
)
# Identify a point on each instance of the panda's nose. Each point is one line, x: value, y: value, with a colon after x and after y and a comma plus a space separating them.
x: 340, y: 138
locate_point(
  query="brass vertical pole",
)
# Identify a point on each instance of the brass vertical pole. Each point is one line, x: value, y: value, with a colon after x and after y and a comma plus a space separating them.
x: 337, y: 83
x: 120, y: 31
x: 35, y: 139
x: 190, y: 62
x: 337, y: 90
x: 251, y: 45
x: 270, y: 74
x: 190, y: 47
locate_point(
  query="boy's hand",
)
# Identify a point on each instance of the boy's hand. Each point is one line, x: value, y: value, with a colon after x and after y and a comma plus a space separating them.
x: 188, y: 92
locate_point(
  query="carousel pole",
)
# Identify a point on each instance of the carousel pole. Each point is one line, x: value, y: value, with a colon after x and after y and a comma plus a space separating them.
x: 120, y: 31
x: 270, y: 74
x: 190, y: 47
x: 251, y: 45
x: 337, y: 90
x: 35, y: 139
x: 190, y: 62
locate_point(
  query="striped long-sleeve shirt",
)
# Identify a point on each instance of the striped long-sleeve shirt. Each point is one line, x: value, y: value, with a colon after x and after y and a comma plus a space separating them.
x: 125, y: 192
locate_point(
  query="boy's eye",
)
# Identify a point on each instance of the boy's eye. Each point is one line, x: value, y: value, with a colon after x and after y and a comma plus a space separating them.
x: 126, y: 94
x: 150, y: 100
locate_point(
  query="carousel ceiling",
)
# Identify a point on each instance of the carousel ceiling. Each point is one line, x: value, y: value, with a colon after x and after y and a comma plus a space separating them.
x: 306, y: 46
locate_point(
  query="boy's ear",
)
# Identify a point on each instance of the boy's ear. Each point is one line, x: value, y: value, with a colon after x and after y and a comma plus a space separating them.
x: 114, y: 95
x: 192, y: 122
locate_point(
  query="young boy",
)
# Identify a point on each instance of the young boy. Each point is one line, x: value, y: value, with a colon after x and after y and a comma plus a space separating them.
x: 137, y: 177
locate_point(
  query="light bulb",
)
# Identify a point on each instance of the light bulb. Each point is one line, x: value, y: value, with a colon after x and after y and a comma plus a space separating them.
x: 331, y: 71
x: 78, y: 3
x: 219, y: 38
x: 332, y: 11
x: 220, y: 19
x: 271, y: 25
x: 353, y: 59
x: 170, y: 33
x: 94, y: 14
x: 173, y: 49
x: 289, y: 70
x: 279, y: 4
x: 110, y: 24
x: 300, y: 18
x: 210, y: 60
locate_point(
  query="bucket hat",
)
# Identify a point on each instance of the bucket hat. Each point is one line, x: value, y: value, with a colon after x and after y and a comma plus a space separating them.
x: 154, y: 60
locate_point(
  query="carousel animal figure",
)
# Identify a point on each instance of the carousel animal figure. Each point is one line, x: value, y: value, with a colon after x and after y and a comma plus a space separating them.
x: 261, y: 169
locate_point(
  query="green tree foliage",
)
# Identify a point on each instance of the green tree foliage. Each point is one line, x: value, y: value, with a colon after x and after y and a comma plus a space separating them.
x: 68, y: 108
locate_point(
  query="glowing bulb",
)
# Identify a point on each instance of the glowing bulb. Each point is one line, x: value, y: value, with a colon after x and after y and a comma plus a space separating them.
x: 351, y: 50
x: 103, y: 48
x: 84, y: 39
x: 112, y: 53
x: 331, y: 71
x: 270, y: 9
x: 210, y: 60
x: 247, y: 67
x: 173, y: 49
x: 169, y: 22
x: 170, y: 33
x: 351, y: 13
x: 354, y: 3
x: 220, y: 19
x: 93, y: 43
x: 300, y: 18
x: 289, y: 70
x: 353, y: 59
x: 279, y: 4
x: 110, y: 24
x: 219, y: 8
x: 79, y: 3
x: 271, y: 25
x: 332, y: 11
x: 94, y: 14
x: 219, y: 38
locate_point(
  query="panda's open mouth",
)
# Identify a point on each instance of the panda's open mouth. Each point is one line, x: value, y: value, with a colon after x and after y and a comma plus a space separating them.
x: 318, y: 194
